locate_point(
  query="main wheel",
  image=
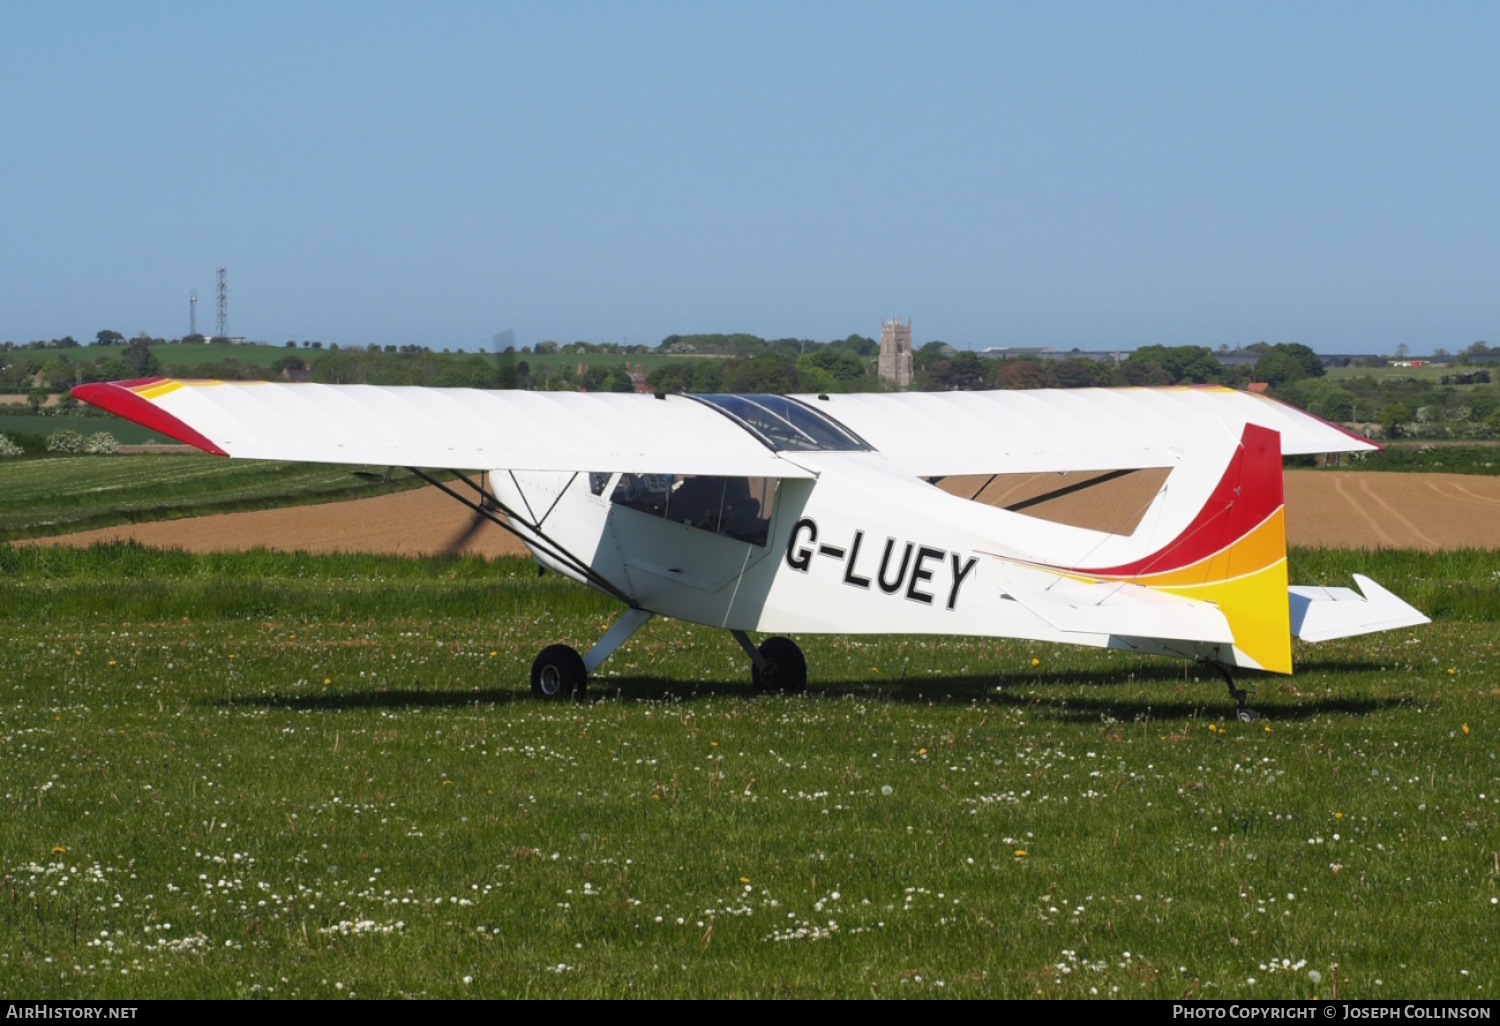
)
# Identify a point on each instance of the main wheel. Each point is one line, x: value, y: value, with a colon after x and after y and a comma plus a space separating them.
x: 557, y: 673
x: 786, y: 668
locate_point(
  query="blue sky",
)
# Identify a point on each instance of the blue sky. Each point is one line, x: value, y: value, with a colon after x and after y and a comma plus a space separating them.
x: 1059, y: 174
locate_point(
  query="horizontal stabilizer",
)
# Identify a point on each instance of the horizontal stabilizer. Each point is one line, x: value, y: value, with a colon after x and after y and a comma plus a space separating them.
x: 1115, y: 608
x: 1322, y: 614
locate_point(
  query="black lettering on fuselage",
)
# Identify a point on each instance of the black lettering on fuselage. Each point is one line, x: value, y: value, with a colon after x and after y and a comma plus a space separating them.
x: 958, y: 577
x: 849, y: 575
x: 920, y: 574
x: 891, y: 587
x: 801, y: 559
x: 803, y: 545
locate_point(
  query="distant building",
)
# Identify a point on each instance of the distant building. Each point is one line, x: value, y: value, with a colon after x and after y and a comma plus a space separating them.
x: 895, y: 352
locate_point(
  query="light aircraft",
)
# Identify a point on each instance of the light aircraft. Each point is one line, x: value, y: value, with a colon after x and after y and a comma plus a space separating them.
x: 818, y: 515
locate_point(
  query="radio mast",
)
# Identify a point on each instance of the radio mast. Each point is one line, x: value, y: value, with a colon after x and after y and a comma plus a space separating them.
x: 223, y: 331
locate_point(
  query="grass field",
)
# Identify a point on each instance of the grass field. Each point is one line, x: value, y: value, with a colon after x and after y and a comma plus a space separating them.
x: 1431, y: 372
x: 125, y: 432
x: 290, y: 776
x: 265, y: 356
x: 59, y: 494
x: 1417, y: 458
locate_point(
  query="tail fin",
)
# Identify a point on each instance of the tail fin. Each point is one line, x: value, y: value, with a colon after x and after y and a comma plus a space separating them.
x: 1233, y: 554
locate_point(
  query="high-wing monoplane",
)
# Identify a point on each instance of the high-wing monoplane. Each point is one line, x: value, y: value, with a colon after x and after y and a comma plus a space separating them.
x: 818, y: 514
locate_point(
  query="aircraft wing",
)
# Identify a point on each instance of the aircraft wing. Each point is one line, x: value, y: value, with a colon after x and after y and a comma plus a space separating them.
x: 454, y: 428
x: 935, y: 434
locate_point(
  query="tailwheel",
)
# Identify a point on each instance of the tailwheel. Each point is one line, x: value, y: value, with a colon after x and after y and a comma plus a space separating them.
x: 1242, y: 712
x: 558, y: 673
x: 785, y: 667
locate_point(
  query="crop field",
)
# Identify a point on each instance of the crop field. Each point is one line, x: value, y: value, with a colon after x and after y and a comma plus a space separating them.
x: 281, y: 775
x: 57, y: 494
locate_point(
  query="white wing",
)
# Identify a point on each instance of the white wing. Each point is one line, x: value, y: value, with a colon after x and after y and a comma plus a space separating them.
x: 931, y: 434
x: 926, y: 434
x: 456, y: 428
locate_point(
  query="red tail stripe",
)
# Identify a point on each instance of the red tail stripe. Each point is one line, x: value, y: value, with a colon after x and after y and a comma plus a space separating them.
x: 1249, y: 491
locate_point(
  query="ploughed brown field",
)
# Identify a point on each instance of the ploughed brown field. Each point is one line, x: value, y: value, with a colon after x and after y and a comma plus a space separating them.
x: 1325, y: 509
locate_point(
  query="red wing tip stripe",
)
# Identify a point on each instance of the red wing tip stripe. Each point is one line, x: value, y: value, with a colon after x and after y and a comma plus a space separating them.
x: 117, y: 398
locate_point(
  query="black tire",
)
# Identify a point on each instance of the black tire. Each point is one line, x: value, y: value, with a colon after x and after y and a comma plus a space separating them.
x: 786, y: 667
x: 558, y: 673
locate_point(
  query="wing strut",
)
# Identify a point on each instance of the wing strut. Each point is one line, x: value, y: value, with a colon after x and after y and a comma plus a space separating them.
x: 547, y: 545
x: 1058, y: 493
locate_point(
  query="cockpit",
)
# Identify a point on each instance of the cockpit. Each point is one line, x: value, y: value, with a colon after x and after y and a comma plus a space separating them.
x: 732, y: 507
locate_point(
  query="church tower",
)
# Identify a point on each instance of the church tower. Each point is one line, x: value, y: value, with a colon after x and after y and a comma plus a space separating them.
x: 895, y: 352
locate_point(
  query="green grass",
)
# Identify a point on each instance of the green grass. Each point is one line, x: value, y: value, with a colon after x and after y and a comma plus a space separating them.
x: 191, y: 355
x: 1416, y: 458
x: 1441, y: 459
x: 125, y: 432
x: 60, y: 494
x: 273, y: 774
x: 1389, y: 373
x: 265, y: 356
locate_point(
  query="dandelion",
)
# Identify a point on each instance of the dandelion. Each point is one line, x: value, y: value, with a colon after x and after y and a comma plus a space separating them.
x: 1315, y: 976
x: 1036, y: 662
x: 59, y: 850
x: 1466, y: 728
x: 1020, y: 853
x: 887, y: 790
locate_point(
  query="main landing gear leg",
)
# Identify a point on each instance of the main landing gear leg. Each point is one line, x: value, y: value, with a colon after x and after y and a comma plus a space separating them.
x: 560, y: 672
x: 1241, y: 712
x: 777, y: 665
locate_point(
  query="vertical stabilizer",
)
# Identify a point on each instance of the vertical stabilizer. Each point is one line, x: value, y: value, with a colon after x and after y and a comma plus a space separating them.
x: 1233, y: 554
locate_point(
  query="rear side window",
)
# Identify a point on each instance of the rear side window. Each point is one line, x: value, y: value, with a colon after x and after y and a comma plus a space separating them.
x: 735, y: 507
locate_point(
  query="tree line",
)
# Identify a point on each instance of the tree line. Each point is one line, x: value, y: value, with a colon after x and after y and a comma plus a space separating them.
x: 744, y: 363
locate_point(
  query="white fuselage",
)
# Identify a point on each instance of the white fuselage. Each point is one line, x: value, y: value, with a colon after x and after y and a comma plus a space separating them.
x: 863, y: 549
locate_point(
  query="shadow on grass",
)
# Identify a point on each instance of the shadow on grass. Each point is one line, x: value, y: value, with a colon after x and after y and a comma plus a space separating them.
x: 1145, y: 693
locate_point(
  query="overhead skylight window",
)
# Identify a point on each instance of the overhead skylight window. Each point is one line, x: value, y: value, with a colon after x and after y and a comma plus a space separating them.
x: 786, y: 425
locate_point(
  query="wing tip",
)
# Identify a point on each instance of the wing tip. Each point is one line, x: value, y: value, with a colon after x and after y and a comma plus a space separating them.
x: 119, y: 398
